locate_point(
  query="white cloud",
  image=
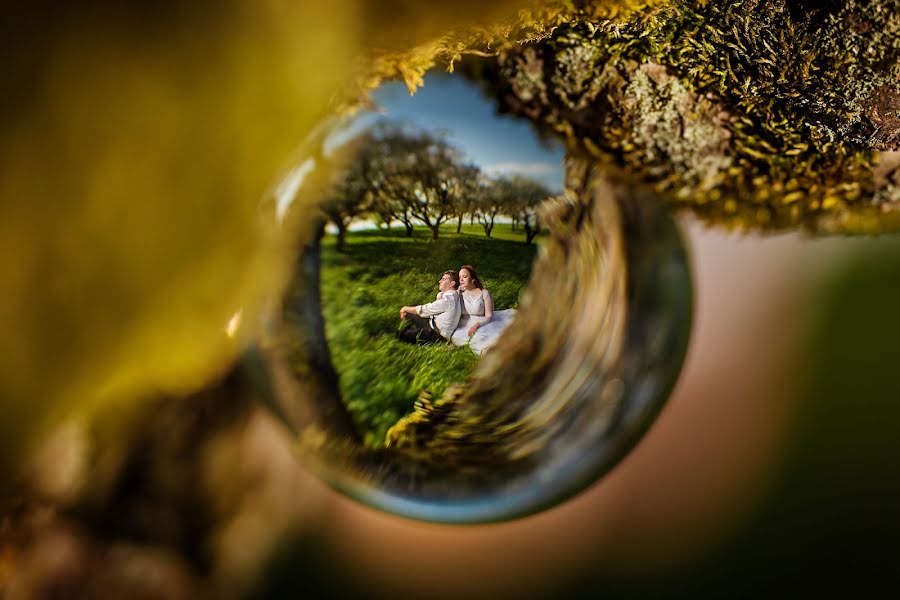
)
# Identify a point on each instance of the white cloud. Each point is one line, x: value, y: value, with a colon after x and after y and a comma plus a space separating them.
x: 534, y: 169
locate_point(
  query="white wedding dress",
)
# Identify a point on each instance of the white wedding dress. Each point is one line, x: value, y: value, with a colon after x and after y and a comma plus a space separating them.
x: 472, y: 311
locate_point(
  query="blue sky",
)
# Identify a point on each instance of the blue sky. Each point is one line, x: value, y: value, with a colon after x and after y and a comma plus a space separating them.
x: 498, y: 144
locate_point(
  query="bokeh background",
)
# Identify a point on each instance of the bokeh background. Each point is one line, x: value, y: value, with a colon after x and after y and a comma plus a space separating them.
x: 134, y: 145
x: 772, y: 468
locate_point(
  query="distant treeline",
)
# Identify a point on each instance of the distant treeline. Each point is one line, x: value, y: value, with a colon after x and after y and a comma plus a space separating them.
x: 392, y: 173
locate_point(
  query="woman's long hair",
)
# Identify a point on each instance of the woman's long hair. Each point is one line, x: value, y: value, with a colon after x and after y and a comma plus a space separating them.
x: 476, y: 281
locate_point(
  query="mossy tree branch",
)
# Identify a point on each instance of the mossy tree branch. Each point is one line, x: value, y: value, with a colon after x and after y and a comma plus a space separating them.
x: 755, y: 114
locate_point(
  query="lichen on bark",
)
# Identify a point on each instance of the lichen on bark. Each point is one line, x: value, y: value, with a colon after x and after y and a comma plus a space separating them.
x: 754, y: 114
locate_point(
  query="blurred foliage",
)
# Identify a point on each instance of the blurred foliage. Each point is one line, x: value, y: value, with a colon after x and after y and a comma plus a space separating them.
x: 136, y: 142
x: 133, y: 155
x: 135, y: 146
x: 134, y: 151
x: 828, y: 524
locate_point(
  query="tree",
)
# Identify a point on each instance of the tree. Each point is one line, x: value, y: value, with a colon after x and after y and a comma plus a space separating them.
x: 517, y: 197
x: 496, y: 196
x: 371, y: 181
x: 423, y: 177
x: 351, y: 194
x: 391, y: 144
x: 528, y: 195
x: 389, y: 208
x: 467, y: 203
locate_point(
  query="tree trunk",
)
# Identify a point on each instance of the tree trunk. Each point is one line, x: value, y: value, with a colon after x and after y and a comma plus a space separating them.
x: 459, y: 224
x: 341, y: 236
x: 409, y: 228
x: 531, y: 233
x: 434, y: 231
x: 489, y: 228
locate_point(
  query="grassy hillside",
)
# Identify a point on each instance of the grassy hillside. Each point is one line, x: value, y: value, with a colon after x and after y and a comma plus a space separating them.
x: 363, y: 289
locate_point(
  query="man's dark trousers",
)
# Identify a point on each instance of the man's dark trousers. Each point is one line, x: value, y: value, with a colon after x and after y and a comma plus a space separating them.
x: 419, y: 331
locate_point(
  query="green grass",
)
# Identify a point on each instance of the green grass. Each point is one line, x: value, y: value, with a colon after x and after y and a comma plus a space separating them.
x: 363, y: 289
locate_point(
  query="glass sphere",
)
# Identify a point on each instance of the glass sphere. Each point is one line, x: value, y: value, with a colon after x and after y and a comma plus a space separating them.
x: 478, y: 324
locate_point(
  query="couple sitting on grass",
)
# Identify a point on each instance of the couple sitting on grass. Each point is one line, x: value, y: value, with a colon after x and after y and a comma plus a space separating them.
x: 463, y: 313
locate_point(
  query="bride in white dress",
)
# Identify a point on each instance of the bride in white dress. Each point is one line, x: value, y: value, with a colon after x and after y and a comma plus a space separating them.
x: 480, y: 326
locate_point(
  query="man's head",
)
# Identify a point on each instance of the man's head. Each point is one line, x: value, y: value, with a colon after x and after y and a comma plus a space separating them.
x: 449, y: 281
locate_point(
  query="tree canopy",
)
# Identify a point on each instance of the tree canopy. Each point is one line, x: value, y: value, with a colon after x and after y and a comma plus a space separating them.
x: 395, y: 172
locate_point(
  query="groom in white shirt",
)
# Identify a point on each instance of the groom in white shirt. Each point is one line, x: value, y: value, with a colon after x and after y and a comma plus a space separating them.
x: 433, y: 322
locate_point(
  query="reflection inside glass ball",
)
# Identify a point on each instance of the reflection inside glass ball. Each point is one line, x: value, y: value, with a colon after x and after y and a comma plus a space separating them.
x: 476, y: 327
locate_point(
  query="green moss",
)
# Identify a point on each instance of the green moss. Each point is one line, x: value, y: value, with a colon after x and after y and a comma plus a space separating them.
x: 733, y: 110
x: 755, y: 114
x: 670, y: 125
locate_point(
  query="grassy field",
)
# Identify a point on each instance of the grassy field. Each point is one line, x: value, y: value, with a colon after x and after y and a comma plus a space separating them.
x: 363, y: 289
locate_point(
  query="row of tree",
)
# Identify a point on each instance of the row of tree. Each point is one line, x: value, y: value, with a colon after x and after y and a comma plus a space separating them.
x: 398, y: 174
